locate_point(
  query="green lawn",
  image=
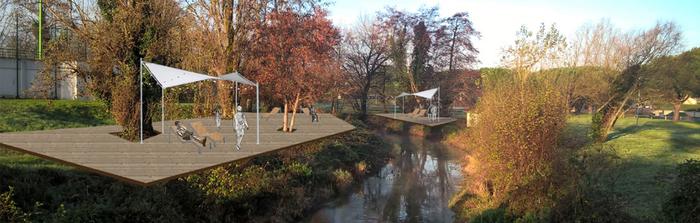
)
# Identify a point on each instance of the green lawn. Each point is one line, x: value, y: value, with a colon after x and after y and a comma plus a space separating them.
x: 683, y: 107
x: 30, y: 115
x: 649, y: 153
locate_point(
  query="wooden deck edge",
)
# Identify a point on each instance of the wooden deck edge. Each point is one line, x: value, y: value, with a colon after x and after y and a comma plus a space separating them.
x: 417, y: 123
x: 78, y: 166
x: 166, y: 179
x: 245, y: 158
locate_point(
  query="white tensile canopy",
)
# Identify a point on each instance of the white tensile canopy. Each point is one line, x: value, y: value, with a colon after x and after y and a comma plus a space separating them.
x: 403, y: 94
x: 170, y: 77
x: 427, y: 94
x: 236, y: 78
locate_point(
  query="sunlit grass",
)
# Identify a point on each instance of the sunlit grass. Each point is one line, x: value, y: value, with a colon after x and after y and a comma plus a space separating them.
x: 650, y: 152
x: 32, y: 115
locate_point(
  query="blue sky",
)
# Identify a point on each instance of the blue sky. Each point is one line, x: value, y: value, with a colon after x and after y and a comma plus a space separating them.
x: 499, y: 20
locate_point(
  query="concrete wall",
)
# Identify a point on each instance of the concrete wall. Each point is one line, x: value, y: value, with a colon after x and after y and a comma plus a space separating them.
x: 28, y: 71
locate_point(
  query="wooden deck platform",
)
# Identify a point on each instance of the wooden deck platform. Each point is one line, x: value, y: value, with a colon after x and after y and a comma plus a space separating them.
x: 164, y: 157
x: 417, y: 120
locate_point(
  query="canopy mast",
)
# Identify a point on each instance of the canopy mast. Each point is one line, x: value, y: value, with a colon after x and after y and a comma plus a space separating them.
x: 141, y: 98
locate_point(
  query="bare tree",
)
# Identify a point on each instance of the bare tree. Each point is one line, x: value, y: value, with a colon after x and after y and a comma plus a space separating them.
x: 220, y: 33
x: 535, y: 51
x: 597, y: 45
x: 5, y: 15
x: 365, y: 54
x: 454, y: 46
x: 662, y: 39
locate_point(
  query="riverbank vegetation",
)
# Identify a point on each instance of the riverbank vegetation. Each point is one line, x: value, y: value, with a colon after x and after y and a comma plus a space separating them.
x: 279, y: 187
x: 529, y: 160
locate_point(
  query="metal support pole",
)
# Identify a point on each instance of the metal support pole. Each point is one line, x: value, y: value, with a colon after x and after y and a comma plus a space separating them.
x: 257, y: 112
x: 141, y: 98
x: 438, y: 108
x: 236, y: 94
x: 17, y: 49
x: 41, y: 28
x: 162, y: 110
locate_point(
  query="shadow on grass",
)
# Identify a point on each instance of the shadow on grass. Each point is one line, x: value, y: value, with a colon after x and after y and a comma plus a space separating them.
x: 651, y: 154
x: 31, y: 115
x: 77, y: 114
x: 629, y: 130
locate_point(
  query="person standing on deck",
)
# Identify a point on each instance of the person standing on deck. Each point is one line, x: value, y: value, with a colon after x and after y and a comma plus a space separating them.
x: 217, y: 117
x: 240, y: 124
x: 314, y: 115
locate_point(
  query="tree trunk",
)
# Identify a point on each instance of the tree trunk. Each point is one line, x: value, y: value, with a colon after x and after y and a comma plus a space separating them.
x: 333, y: 105
x: 294, y: 112
x: 225, y: 99
x: 621, y: 90
x: 676, y: 111
x: 285, y: 116
x: 363, y: 104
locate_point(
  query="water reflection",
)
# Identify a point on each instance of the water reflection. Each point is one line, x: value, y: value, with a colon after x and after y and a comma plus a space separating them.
x: 414, y: 187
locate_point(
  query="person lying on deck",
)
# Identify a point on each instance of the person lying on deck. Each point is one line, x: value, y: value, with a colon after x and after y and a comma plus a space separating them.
x: 187, y: 135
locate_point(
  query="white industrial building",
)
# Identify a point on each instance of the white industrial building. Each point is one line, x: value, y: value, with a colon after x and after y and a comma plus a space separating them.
x: 16, y: 81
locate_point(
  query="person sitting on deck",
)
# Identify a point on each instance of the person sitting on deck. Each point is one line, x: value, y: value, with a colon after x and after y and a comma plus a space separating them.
x: 241, y: 124
x: 314, y: 115
x: 187, y: 135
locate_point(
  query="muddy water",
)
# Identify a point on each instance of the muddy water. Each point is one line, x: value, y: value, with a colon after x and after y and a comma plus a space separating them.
x: 415, y: 186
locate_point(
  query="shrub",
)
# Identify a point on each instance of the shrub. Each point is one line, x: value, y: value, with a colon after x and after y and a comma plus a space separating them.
x: 343, y: 178
x: 9, y: 212
x: 684, y: 205
x: 361, y: 168
x: 514, y: 147
x: 591, y: 195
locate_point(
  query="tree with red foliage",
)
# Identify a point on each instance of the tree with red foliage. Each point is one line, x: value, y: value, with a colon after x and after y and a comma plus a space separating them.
x: 293, y: 56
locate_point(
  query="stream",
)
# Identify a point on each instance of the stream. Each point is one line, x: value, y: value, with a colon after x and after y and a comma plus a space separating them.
x: 415, y: 186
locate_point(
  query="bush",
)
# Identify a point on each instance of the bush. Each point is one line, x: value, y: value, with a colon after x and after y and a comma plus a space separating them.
x: 591, y: 195
x: 514, y: 147
x: 343, y: 178
x: 9, y: 212
x: 684, y: 205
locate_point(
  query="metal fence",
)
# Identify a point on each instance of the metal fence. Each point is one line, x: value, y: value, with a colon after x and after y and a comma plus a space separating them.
x: 11, y: 53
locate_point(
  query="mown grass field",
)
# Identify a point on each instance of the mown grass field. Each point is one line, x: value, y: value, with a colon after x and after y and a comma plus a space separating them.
x: 649, y: 154
x: 30, y: 115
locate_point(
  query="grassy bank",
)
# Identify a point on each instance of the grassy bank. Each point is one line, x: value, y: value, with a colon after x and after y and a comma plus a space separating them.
x: 279, y: 187
x: 649, y: 154
x: 630, y: 179
x: 28, y: 115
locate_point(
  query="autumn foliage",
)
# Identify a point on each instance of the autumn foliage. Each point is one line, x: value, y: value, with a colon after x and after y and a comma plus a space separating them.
x: 514, y: 146
x: 293, y: 57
